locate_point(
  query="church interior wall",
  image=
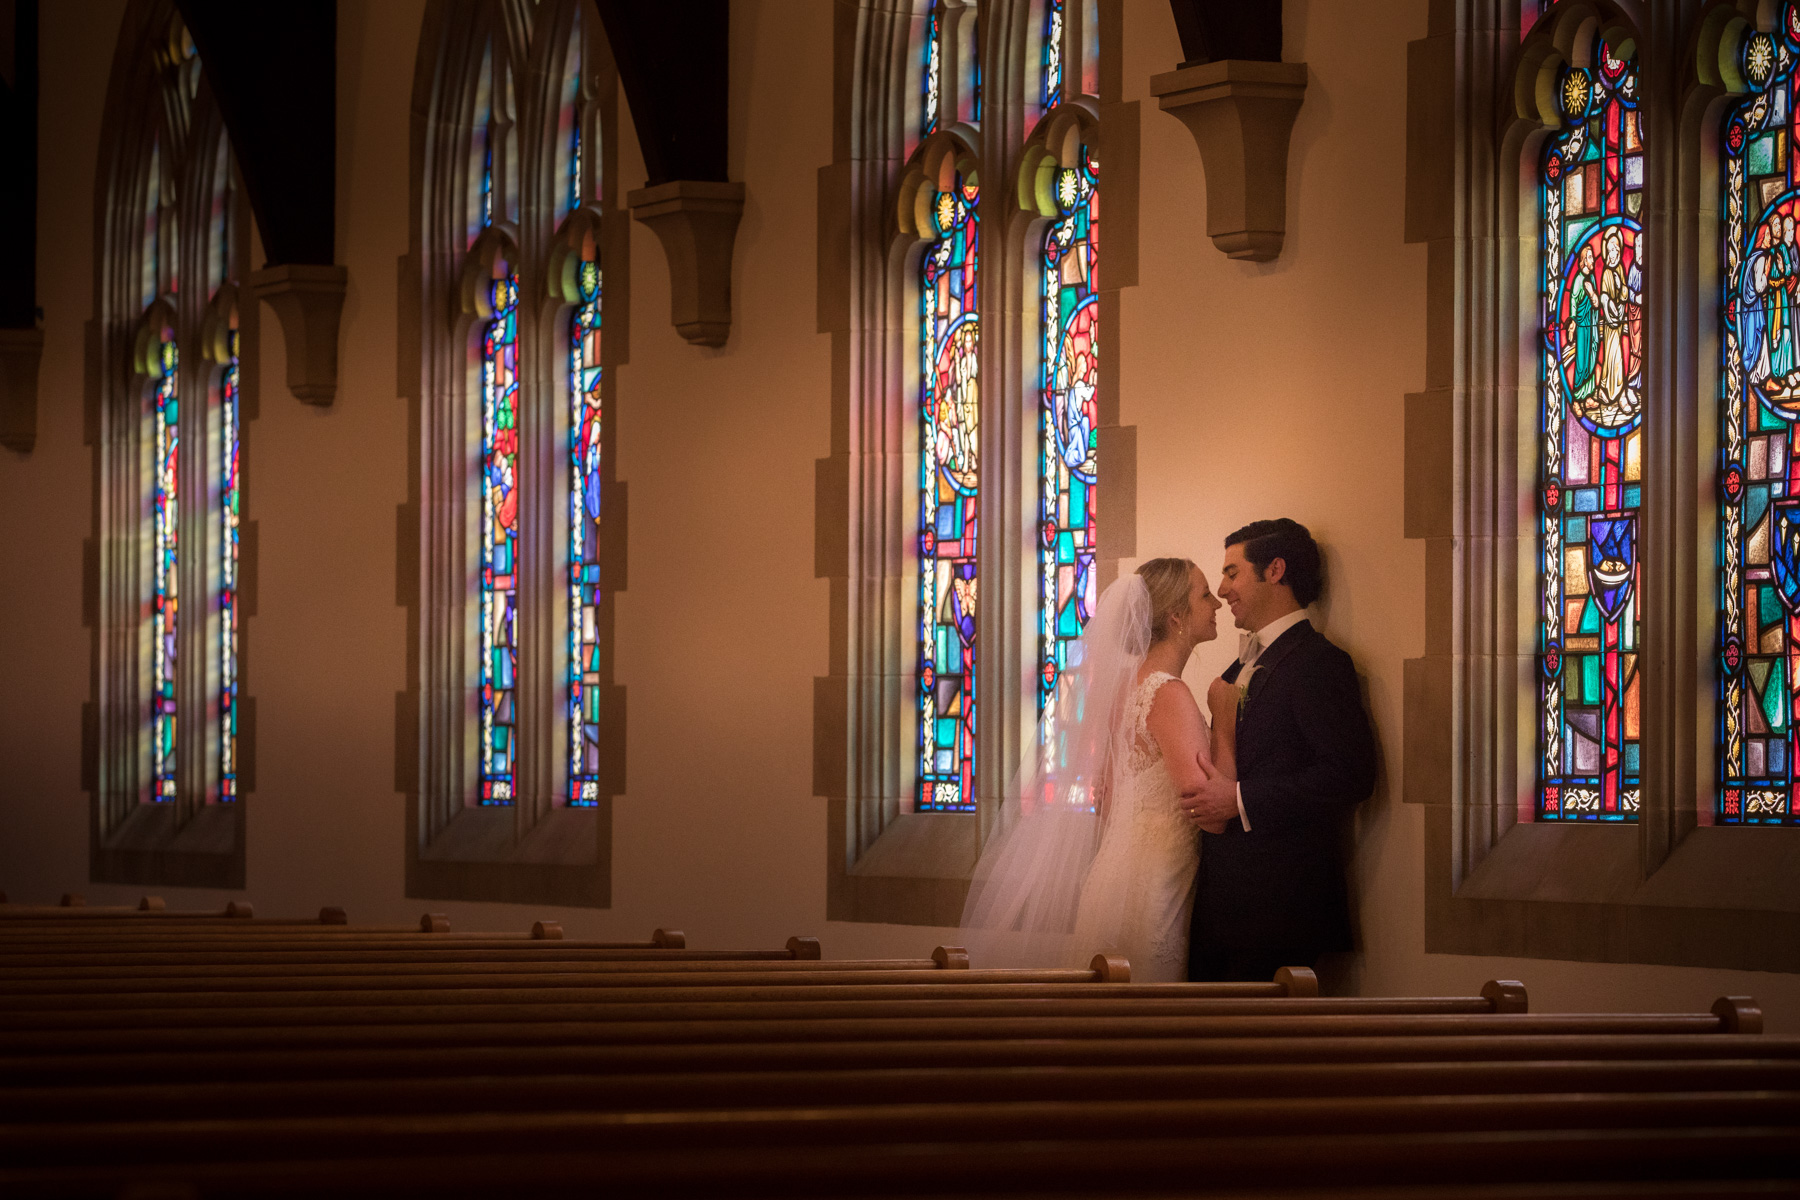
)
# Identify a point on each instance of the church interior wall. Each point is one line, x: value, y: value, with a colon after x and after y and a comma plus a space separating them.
x: 1256, y: 390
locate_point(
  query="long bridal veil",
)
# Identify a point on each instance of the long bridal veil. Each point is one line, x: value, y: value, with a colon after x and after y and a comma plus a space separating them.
x: 1027, y: 886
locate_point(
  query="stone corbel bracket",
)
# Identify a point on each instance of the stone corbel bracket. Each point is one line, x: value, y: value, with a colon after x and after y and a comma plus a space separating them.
x: 20, y: 352
x: 308, y: 300
x: 1241, y: 114
x: 696, y: 221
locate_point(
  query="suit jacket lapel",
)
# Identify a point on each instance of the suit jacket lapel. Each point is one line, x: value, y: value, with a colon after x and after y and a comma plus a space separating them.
x: 1271, y: 658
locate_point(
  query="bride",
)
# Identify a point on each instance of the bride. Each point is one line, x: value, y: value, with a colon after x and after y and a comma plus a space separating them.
x: 1092, y: 853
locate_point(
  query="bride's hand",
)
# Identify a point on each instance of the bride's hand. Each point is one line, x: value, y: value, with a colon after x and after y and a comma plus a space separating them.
x: 1222, y: 699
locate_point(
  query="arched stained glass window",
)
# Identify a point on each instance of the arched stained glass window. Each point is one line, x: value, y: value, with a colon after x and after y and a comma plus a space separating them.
x: 949, y: 502
x: 584, y: 534
x: 499, y: 539
x: 1068, y: 417
x: 230, y: 515
x: 165, y: 522
x: 1759, y: 487
x: 518, y: 709
x: 1590, y: 454
x: 498, y: 484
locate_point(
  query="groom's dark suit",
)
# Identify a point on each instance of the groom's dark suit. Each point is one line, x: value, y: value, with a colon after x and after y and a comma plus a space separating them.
x: 1274, y: 895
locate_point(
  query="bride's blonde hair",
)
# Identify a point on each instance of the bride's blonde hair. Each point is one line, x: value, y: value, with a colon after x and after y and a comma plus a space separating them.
x: 1168, y: 580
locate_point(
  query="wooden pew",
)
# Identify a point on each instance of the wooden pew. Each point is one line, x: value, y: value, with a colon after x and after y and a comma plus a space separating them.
x: 60, y: 1101
x: 514, y: 1025
x: 917, y: 1002
x: 1079, y: 1149
x: 275, y: 1060
x: 209, y: 1064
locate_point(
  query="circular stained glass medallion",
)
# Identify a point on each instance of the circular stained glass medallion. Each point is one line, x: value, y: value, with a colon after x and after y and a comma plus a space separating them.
x: 1596, y: 334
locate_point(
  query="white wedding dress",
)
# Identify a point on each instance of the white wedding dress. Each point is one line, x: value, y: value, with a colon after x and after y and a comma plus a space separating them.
x: 1139, y: 891
x: 1062, y: 878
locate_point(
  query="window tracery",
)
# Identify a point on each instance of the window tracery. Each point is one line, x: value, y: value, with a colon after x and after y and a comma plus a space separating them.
x: 520, y: 722
x: 168, y: 738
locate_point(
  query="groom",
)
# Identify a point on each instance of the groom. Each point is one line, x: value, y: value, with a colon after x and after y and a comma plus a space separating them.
x: 1270, y: 891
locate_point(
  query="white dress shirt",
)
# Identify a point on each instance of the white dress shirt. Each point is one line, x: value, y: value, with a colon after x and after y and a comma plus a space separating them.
x: 1264, y: 638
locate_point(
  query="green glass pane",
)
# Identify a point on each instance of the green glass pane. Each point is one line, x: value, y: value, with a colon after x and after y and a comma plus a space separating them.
x: 1590, y: 679
x: 1775, y: 698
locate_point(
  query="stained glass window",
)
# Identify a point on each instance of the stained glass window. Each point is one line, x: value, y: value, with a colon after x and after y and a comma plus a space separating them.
x: 1053, y: 48
x: 1590, y: 454
x: 1759, y: 487
x: 584, y: 536
x: 1067, y: 419
x: 933, y: 67
x: 949, y: 502
x: 165, y: 524
x: 229, y: 511
x: 499, y: 539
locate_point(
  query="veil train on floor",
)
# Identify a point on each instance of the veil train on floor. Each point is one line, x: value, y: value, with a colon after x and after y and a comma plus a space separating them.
x: 1027, y: 884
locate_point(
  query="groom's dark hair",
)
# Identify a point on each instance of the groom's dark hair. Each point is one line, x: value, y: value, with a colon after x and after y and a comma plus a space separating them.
x: 1266, y: 541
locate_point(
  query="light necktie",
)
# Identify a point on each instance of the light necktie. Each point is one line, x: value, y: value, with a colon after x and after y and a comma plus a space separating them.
x: 1252, y: 650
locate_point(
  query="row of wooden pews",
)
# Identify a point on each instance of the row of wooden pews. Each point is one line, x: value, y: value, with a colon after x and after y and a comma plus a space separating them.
x: 153, y: 1054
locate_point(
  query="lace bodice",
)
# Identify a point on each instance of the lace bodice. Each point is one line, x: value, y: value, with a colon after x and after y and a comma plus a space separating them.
x: 1144, y: 752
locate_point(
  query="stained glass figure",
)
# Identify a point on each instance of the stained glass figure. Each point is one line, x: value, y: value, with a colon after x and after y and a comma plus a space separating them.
x: 949, y: 502
x: 1759, y: 487
x: 499, y: 540
x: 1067, y: 419
x: 1590, y: 454
x: 165, y: 524
x: 932, y: 67
x: 584, y: 535
x: 229, y: 512
x: 1053, y: 48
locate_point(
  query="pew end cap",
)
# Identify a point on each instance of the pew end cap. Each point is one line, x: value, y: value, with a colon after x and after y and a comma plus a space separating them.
x: 241, y: 910
x: 806, y: 948
x: 151, y: 904
x: 1738, y: 1014
x: 1298, y: 981
x: 668, y: 939
x: 1111, y: 968
x: 951, y: 958
x: 1506, y: 995
x: 434, y: 923
x: 74, y: 900
x: 546, y: 931
x: 332, y: 915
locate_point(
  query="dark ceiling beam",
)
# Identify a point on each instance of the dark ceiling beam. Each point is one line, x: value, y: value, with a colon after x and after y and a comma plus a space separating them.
x: 21, y: 342
x: 1216, y: 30
x: 273, y: 72
x: 674, y: 59
x: 18, y: 150
x: 272, y: 68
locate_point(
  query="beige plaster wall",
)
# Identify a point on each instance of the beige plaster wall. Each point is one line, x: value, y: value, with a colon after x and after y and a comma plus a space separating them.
x: 1257, y: 390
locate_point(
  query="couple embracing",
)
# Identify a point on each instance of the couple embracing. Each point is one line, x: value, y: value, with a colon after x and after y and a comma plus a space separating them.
x: 1198, y: 850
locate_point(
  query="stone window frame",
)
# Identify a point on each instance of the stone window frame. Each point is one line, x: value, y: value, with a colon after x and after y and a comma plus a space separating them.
x: 154, y: 100
x: 883, y: 863
x: 538, y: 849
x: 1671, y: 889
